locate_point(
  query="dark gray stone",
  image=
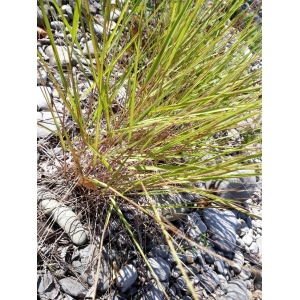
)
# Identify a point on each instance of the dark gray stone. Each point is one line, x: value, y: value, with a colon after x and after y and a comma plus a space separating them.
x: 161, y: 251
x: 209, y: 280
x: 160, y: 267
x: 237, y: 188
x: 72, y: 287
x: 127, y: 276
x: 222, y: 225
x: 219, y: 266
x: 155, y: 292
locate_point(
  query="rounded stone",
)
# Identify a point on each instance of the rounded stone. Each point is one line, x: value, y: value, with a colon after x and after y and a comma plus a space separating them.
x: 127, y: 276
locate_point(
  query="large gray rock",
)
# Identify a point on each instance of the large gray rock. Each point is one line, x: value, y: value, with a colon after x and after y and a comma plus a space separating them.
x: 127, y: 276
x: 222, y: 225
x: 237, y: 290
x: 237, y: 188
x: 160, y: 267
x: 72, y: 287
x: 195, y: 226
x: 62, y: 54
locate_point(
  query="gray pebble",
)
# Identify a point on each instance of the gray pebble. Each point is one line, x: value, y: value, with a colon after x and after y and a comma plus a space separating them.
x: 248, y: 239
x: 160, y: 268
x: 209, y: 280
x: 195, y: 226
x: 222, y: 225
x: 99, y: 30
x: 238, y: 262
x: 41, y: 101
x: 161, y: 251
x: 57, y: 25
x: 72, y: 287
x: 254, y: 248
x: 219, y: 266
x: 127, y: 276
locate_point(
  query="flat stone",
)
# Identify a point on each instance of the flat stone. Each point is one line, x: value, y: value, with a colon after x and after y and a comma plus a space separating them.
x: 237, y: 188
x: 41, y: 101
x: 127, y: 276
x: 72, y: 287
x: 237, y: 290
x: 222, y: 225
x: 195, y: 226
x: 62, y: 54
x: 161, y: 268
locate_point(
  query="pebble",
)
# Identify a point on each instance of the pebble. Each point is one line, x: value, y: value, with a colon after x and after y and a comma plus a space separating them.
x: 63, y: 56
x: 237, y: 188
x: 67, y: 9
x: 40, y: 18
x: 41, y: 77
x: 254, y: 248
x: 237, y: 290
x: 209, y: 258
x: 99, y: 30
x: 222, y: 282
x: 191, y: 256
x: 155, y: 292
x: 72, y: 287
x: 161, y: 251
x: 195, y: 226
x: 247, y: 239
x: 115, y: 14
x: 209, y: 280
x: 238, y: 262
x: 170, y: 213
x: 222, y: 225
x: 160, y: 268
x: 47, y: 286
x: 88, y: 47
x: 127, y: 276
x: 41, y: 101
x: 219, y: 266
x: 105, y: 273
x: 57, y: 25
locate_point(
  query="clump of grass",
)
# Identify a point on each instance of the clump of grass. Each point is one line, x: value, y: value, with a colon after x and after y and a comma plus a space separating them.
x: 185, y: 67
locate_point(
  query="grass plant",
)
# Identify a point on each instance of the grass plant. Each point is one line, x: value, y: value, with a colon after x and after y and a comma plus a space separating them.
x: 185, y: 69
